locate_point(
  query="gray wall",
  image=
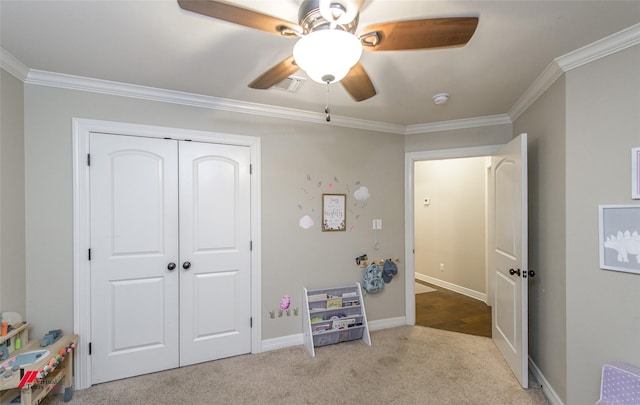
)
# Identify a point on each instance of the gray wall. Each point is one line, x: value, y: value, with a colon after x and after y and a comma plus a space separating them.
x: 12, y: 247
x: 292, y: 257
x: 544, y: 123
x: 459, y: 138
x: 603, y: 307
x: 451, y: 229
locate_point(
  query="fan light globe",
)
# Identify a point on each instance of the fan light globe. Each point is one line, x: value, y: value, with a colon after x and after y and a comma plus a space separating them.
x: 327, y: 55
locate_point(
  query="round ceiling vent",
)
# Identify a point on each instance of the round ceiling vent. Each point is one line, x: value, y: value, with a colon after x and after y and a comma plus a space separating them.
x: 441, y: 98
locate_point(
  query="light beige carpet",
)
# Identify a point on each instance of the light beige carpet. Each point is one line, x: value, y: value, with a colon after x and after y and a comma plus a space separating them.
x: 405, y: 365
x: 421, y: 289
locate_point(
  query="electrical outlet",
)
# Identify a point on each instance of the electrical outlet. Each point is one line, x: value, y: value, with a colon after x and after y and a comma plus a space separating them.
x: 377, y: 224
x: 441, y: 266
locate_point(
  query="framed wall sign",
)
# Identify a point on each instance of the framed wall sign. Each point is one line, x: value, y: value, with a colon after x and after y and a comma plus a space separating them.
x: 620, y: 238
x: 334, y: 212
x: 635, y: 173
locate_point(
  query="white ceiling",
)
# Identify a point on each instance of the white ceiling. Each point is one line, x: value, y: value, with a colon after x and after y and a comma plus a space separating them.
x: 155, y: 43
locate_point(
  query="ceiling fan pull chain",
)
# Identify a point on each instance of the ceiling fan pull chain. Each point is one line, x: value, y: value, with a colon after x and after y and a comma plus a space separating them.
x: 327, y: 110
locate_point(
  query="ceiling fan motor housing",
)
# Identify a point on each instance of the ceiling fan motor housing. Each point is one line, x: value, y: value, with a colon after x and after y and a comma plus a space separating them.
x: 311, y: 19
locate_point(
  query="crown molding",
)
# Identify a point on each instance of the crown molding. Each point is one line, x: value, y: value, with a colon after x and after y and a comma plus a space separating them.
x: 12, y: 65
x: 604, y: 47
x: 596, y: 50
x: 458, y: 124
x: 537, y: 88
x: 599, y: 49
x: 72, y: 82
x: 42, y: 78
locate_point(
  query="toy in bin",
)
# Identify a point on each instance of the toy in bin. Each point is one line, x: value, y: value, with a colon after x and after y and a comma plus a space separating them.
x: 51, y: 337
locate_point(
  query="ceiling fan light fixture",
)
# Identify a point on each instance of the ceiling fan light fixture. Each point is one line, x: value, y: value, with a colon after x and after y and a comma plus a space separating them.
x: 327, y: 55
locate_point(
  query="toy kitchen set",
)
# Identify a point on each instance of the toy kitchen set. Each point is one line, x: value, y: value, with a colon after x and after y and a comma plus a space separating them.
x: 30, y: 370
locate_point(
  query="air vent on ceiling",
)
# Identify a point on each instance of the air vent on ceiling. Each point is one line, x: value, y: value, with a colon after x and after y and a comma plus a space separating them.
x: 290, y: 84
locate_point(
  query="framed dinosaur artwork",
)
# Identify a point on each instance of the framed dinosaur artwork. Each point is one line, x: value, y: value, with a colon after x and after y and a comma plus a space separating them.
x: 620, y: 238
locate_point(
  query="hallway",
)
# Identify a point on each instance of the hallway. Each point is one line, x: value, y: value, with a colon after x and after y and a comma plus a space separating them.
x: 448, y: 310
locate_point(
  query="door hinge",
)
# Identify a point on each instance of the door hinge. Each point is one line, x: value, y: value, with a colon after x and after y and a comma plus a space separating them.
x: 88, y: 159
x: 89, y: 255
x: 250, y: 169
x: 89, y: 348
x: 251, y: 322
x: 251, y: 245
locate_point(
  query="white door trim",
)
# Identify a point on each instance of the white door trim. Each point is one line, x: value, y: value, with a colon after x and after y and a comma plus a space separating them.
x: 81, y: 275
x: 409, y: 163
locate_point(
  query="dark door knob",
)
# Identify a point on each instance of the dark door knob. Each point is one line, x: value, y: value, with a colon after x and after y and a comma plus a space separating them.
x: 171, y: 266
x: 186, y: 265
x: 512, y: 272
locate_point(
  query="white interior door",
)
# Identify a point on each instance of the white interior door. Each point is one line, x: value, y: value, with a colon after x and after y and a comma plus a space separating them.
x: 215, y: 261
x: 134, y: 236
x: 508, y: 254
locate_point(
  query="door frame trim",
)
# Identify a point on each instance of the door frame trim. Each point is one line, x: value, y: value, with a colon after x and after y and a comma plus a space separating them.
x: 409, y: 199
x: 81, y: 129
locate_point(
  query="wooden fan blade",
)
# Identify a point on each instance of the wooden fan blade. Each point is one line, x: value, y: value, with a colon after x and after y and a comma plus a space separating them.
x: 419, y: 34
x: 358, y: 84
x: 241, y: 16
x: 275, y: 75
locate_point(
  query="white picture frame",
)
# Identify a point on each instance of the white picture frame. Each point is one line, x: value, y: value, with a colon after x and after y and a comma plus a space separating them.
x: 619, y: 236
x: 635, y: 173
x: 334, y: 212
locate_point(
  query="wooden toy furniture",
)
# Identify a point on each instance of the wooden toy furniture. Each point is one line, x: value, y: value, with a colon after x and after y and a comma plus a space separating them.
x: 33, y: 382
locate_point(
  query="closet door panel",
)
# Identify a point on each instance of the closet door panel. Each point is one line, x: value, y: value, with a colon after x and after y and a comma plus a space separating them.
x: 215, y: 301
x: 134, y: 236
x: 215, y: 198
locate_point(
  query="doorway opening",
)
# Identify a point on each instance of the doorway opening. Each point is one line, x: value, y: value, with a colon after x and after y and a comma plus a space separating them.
x: 506, y: 250
x: 446, y: 200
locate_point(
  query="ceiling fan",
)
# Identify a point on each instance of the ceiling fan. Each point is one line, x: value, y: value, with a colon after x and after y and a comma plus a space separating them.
x: 328, y: 48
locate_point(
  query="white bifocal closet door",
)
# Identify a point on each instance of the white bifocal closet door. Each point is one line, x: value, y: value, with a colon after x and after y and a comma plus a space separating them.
x: 170, y: 245
x: 215, y: 296
x: 134, y: 238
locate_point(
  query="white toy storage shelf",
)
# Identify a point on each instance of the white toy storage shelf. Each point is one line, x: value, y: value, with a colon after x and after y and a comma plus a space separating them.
x: 334, y: 315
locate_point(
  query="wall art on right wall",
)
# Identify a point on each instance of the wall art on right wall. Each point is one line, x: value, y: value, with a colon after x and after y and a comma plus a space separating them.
x: 635, y: 173
x: 620, y: 238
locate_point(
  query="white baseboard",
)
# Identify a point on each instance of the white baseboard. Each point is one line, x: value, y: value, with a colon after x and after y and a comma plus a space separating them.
x: 551, y: 395
x: 453, y: 287
x: 387, y: 323
x: 298, y: 339
x: 282, y: 342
